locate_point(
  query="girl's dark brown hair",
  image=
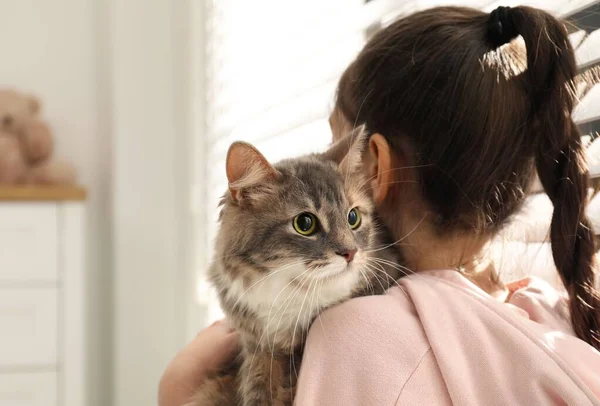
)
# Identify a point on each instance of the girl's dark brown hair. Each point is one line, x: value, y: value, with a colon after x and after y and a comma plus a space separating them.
x: 479, y: 117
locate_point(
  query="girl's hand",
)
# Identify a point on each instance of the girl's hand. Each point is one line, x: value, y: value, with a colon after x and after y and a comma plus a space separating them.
x: 212, y: 348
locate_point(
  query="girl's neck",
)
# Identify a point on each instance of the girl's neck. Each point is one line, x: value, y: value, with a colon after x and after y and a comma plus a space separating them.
x: 425, y: 250
x: 460, y: 255
x: 486, y: 278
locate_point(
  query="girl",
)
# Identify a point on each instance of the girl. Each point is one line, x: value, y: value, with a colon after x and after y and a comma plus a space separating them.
x: 461, y: 117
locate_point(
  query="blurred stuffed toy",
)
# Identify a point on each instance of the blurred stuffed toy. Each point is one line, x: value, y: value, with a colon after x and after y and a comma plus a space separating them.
x: 26, y: 144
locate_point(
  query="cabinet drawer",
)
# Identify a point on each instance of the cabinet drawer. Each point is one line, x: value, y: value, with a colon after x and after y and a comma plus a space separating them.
x: 28, y: 327
x: 35, y: 389
x: 28, y: 242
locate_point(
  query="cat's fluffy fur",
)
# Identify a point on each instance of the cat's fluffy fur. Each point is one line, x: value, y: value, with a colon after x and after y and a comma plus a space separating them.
x: 273, y: 282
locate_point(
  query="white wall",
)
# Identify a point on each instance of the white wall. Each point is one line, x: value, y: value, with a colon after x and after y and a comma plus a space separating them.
x: 51, y: 49
x: 149, y: 106
x: 113, y: 77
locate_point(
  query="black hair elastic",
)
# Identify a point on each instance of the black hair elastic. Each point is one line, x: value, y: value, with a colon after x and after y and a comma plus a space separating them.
x: 501, y: 27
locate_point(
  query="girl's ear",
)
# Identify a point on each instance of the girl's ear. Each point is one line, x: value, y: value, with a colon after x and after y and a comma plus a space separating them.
x: 380, y: 169
x: 246, y: 167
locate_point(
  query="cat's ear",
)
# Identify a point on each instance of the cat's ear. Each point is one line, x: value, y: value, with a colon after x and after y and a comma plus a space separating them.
x: 348, y: 151
x: 246, y: 167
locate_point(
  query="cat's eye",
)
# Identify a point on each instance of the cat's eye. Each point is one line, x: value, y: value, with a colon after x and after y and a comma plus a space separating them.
x: 354, y: 218
x: 305, y: 224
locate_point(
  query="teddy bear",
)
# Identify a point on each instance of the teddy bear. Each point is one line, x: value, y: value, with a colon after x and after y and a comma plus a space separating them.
x: 26, y: 144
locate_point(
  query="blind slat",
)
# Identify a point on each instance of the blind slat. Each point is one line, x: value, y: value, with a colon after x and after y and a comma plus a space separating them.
x: 568, y: 8
x: 588, y: 52
x: 238, y: 102
x: 588, y: 109
x: 307, y: 108
x: 577, y: 38
x: 559, y: 7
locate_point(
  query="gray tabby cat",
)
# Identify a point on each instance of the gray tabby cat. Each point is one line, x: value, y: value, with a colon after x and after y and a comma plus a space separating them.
x: 295, y: 238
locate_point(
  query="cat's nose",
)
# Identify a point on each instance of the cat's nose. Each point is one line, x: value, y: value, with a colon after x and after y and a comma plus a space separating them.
x: 347, y: 254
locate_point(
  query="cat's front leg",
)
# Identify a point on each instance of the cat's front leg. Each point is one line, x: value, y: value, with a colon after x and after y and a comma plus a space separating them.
x: 220, y: 388
x: 268, y: 379
x: 217, y: 391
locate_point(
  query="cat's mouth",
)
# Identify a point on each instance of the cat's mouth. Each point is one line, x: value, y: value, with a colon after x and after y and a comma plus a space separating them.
x: 330, y: 270
x: 331, y: 273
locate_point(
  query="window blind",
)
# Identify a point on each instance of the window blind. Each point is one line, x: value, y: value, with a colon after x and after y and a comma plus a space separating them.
x: 271, y: 71
x: 272, y: 68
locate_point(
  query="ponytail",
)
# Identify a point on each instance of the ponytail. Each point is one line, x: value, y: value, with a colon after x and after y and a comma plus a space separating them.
x: 550, y: 80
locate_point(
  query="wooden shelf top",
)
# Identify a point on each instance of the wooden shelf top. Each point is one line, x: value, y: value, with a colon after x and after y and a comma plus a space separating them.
x: 42, y: 193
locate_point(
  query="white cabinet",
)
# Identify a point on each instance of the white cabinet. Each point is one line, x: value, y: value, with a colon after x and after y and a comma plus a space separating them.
x: 28, y: 242
x: 29, y: 325
x: 28, y: 389
x: 42, y: 302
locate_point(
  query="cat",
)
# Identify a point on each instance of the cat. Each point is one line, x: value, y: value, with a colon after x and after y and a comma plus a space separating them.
x: 294, y: 238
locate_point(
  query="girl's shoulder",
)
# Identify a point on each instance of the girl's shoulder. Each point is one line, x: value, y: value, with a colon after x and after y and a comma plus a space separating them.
x: 365, y: 341
x: 434, y: 329
x: 391, y: 314
x: 542, y: 303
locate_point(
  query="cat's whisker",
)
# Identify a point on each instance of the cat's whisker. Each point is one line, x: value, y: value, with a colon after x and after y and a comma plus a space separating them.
x: 319, y: 313
x: 380, y: 265
x: 315, y: 296
x: 373, y: 279
x: 370, y: 264
x: 316, y: 292
x: 304, y: 280
x: 259, y: 344
x: 286, y: 303
x: 406, y: 271
x: 392, y: 170
x: 310, y: 292
x: 291, y: 297
x: 306, y: 293
x: 264, y: 279
x: 366, y: 188
x: 283, y: 290
x: 368, y: 268
x: 310, y: 306
x: 392, y: 264
x: 376, y: 267
x: 381, y: 229
x: 298, y: 318
x: 288, y: 300
x: 281, y: 312
x: 385, y: 246
x: 401, y: 239
x: 368, y: 283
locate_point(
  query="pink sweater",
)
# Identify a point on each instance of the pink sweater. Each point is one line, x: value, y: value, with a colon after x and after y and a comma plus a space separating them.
x: 440, y: 340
